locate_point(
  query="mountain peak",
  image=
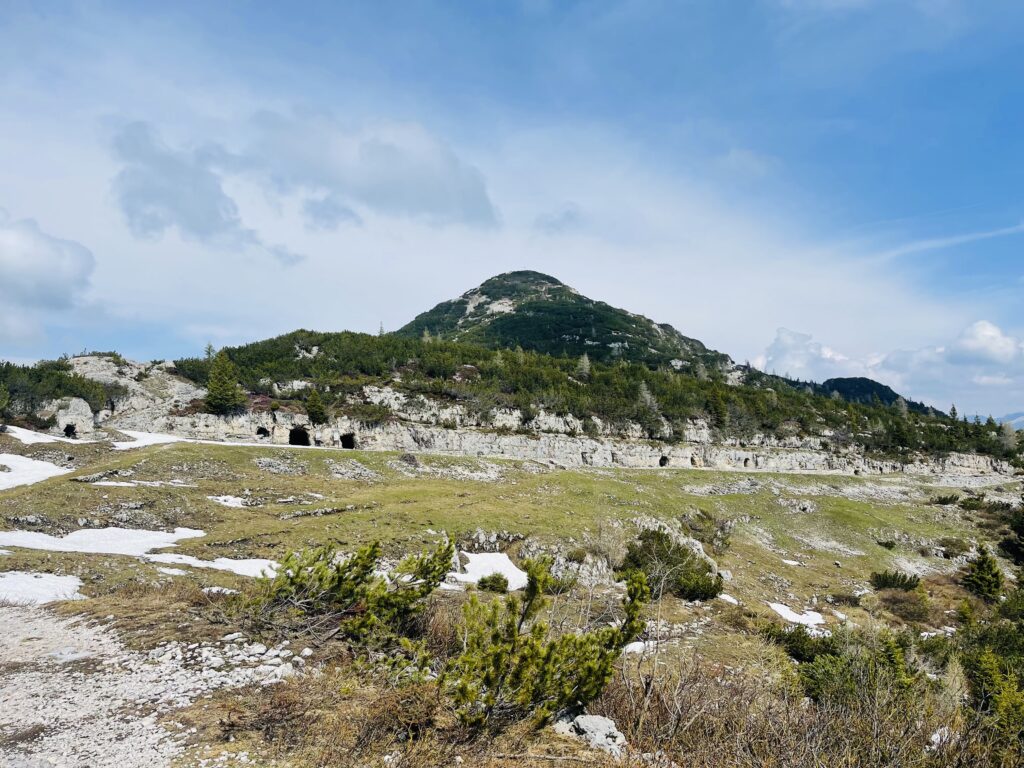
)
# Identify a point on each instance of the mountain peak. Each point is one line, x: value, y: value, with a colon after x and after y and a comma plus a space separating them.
x: 539, y: 312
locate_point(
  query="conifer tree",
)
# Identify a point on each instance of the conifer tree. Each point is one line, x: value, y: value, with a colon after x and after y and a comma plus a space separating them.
x: 583, y: 366
x: 223, y: 393
x: 983, y: 577
x: 315, y: 408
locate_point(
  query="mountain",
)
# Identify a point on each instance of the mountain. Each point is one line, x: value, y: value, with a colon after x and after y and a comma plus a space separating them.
x: 537, y: 312
x: 865, y: 391
x: 1016, y: 419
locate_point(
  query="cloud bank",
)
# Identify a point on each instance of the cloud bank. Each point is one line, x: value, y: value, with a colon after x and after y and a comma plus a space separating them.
x: 981, y: 357
x: 40, y: 274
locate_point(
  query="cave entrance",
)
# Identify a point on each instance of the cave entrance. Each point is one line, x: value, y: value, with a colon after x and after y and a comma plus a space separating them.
x: 262, y: 432
x: 693, y: 461
x: 663, y: 461
x: 348, y: 440
x: 746, y: 463
x: 70, y: 430
x: 298, y: 436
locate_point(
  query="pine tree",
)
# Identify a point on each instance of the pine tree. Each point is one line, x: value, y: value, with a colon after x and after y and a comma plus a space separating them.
x: 315, y: 408
x: 983, y: 577
x: 5, y: 400
x: 223, y: 394
x: 209, y: 351
x: 583, y: 366
x: 952, y: 412
x: 1008, y: 437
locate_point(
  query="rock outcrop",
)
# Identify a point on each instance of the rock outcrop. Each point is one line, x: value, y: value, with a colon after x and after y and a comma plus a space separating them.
x: 418, y: 424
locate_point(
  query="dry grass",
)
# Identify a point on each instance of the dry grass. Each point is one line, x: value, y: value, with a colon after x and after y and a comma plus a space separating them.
x: 337, y: 718
x: 703, y: 716
x: 148, y: 614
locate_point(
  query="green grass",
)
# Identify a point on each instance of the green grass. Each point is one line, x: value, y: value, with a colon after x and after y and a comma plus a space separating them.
x: 569, y: 508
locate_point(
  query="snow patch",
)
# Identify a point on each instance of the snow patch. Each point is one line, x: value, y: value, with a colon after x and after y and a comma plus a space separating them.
x: 251, y: 567
x: 142, y: 439
x: 640, y: 646
x: 228, y: 501
x: 103, y: 541
x: 38, y: 588
x: 26, y: 471
x: 135, y: 543
x: 808, y: 618
x: 728, y: 599
x: 486, y: 563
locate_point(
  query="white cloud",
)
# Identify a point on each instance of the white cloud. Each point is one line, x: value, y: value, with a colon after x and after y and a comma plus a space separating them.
x: 39, y: 273
x: 159, y: 188
x: 796, y: 355
x: 981, y: 369
x: 386, y: 167
x: 983, y: 343
x: 563, y: 219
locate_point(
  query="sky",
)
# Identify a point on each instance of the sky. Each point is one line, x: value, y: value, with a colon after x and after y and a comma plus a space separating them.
x: 819, y: 187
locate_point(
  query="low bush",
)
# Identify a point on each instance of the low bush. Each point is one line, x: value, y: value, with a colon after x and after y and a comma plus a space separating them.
x: 910, y: 605
x: 577, y: 555
x: 671, y: 567
x: 953, y: 546
x: 799, y: 644
x: 317, y: 589
x: 513, y: 666
x: 895, y: 580
x: 494, y: 582
x: 983, y: 578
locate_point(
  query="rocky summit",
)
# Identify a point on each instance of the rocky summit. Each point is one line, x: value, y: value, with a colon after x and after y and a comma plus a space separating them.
x: 537, y: 312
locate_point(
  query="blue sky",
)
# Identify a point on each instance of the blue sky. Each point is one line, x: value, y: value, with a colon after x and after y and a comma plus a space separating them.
x: 824, y: 187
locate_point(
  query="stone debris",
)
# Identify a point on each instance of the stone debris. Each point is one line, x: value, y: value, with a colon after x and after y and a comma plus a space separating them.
x: 281, y: 466
x: 350, y: 469
x: 98, y: 704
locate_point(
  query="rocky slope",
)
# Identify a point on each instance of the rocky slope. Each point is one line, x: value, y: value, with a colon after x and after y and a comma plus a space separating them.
x: 420, y: 424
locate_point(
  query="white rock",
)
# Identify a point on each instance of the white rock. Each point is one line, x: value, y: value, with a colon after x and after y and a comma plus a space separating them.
x: 599, y: 732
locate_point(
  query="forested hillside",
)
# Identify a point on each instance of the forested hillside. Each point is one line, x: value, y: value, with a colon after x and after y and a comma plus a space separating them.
x: 482, y: 378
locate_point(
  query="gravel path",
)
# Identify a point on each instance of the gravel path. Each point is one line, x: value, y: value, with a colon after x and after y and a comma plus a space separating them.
x: 71, y: 694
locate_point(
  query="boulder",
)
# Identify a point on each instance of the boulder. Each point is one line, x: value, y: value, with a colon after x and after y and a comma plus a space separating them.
x: 599, y: 732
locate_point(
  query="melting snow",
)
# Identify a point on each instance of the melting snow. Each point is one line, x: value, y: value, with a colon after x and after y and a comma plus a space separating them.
x: 728, y: 599
x: 220, y: 591
x: 142, y: 439
x: 639, y: 646
x: 105, y: 541
x: 251, y: 567
x: 26, y: 471
x: 172, y: 571
x: 486, y: 563
x: 22, y: 587
x: 808, y: 619
x: 228, y: 501
x: 31, y: 437
x: 136, y: 543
